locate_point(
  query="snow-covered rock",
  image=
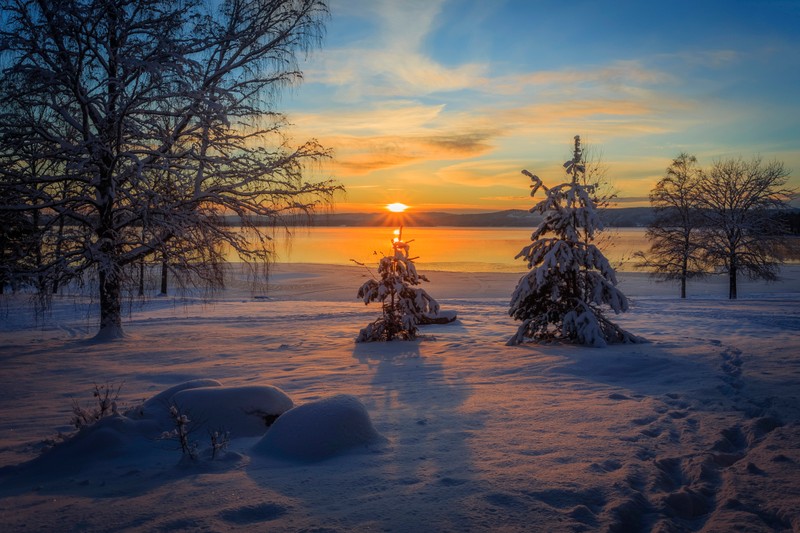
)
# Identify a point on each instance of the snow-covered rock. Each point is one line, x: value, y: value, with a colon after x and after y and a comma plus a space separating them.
x: 318, y: 430
x: 241, y: 411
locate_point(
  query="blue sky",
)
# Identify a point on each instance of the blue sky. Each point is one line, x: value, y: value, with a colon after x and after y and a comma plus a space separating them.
x: 440, y: 104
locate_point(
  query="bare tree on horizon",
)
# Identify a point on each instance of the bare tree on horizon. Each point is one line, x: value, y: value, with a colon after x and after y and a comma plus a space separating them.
x: 674, y: 233
x: 739, y: 201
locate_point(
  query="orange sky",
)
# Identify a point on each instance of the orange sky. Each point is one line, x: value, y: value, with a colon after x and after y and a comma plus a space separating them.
x: 439, y: 104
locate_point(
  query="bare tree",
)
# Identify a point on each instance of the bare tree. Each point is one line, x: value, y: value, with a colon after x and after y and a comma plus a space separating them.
x: 158, y: 121
x: 739, y: 201
x: 674, y: 233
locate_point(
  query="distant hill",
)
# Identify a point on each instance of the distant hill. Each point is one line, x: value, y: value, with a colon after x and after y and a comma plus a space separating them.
x: 512, y: 218
x: 626, y: 217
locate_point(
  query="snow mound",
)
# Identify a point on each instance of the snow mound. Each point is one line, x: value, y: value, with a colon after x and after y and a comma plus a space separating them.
x: 108, y: 438
x: 157, y: 407
x: 164, y: 397
x: 242, y: 411
x: 318, y: 430
x: 439, y: 317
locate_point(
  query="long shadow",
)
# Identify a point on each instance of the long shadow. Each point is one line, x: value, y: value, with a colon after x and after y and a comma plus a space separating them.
x: 417, y: 480
x: 419, y: 403
x: 645, y: 369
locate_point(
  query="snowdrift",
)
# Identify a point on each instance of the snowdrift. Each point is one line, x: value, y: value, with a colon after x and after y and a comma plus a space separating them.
x: 319, y: 430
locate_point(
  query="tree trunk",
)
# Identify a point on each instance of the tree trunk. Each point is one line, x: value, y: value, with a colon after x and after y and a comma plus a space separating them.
x: 110, y: 304
x: 141, y: 277
x: 164, y: 276
x: 58, y: 252
x: 38, y: 257
x: 732, y: 278
x: 3, y: 248
x: 684, y: 270
x: 141, y: 268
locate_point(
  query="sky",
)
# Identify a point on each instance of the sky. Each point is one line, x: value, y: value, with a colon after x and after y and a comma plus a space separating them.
x: 439, y: 104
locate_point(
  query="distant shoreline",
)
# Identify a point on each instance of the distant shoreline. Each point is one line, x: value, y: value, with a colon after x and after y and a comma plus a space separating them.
x: 622, y: 217
x: 512, y: 218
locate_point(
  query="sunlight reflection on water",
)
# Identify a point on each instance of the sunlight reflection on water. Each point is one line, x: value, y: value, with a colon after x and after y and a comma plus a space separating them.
x: 440, y: 248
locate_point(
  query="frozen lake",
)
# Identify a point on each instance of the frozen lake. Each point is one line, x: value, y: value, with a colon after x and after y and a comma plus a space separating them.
x: 441, y: 248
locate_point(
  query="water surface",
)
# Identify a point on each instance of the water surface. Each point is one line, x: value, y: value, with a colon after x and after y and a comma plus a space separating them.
x: 441, y: 248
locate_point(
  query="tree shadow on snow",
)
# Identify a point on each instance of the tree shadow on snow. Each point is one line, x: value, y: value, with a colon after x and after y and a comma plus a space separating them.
x: 710, y: 376
x: 644, y: 369
x: 416, y: 404
x: 420, y: 405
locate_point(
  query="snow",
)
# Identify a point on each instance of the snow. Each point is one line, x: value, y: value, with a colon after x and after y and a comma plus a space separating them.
x: 320, y: 429
x: 695, y: 430
x: 239, y: 410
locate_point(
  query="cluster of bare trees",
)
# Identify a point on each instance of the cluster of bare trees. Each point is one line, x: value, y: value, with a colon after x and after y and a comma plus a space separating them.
x: 131, y: 130
x: 721, y: 219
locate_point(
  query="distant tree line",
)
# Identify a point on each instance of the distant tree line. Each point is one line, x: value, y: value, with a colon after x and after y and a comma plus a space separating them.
x: 731, y: 218
x: 790, y: 221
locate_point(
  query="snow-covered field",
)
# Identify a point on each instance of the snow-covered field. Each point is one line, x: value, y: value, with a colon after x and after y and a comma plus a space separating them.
x: 697, y: 430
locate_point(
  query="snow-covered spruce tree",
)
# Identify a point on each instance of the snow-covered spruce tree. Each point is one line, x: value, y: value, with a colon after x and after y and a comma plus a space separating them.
x: 570, y: 282
x: 404, y: 306
x: 153, y: 121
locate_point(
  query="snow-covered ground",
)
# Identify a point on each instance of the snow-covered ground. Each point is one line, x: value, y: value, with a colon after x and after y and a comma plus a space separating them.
x: 697, y: 430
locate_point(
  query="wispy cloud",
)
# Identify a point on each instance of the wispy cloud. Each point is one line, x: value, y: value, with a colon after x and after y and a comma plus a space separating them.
x: 362, y: 155
x: 483, y: 173
x: 397, y: 117
x: 703, y: 58
x: 396, y: 110
x: 370, y: 140
x: 617, y: 76
x: 357, y: 73
x: 399, y: 134
x: 391, y: 63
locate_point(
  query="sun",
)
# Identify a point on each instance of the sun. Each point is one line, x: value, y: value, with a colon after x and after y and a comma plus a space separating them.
x: 397, y: 207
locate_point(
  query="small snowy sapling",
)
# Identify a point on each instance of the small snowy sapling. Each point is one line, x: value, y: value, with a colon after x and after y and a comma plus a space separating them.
x: 219, y: 442
x: 404, y: 306
x: 181, y: 432
x: 570, y: 280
